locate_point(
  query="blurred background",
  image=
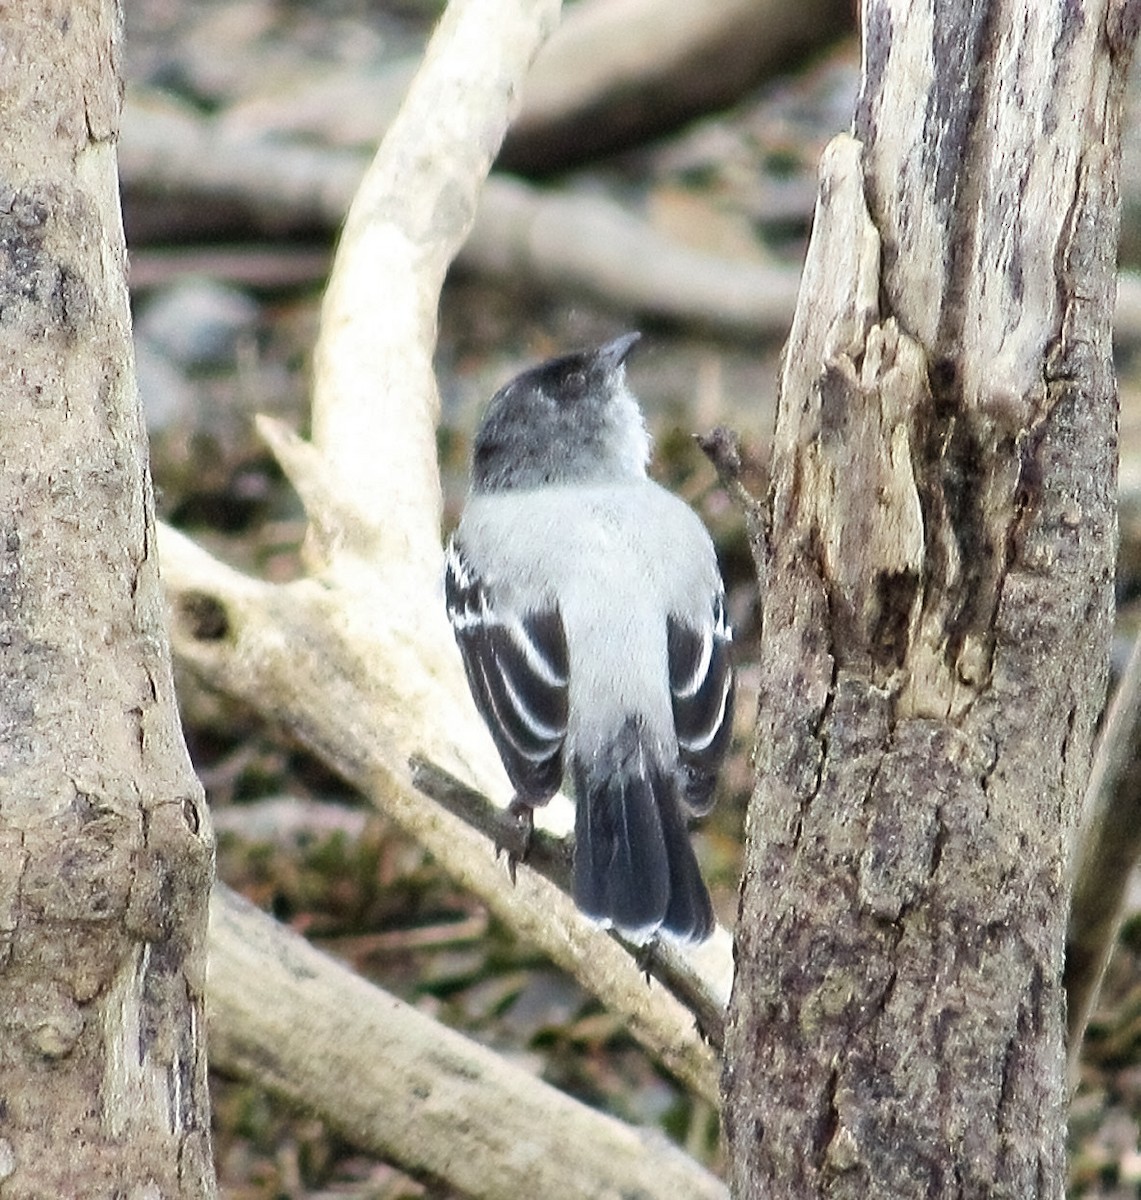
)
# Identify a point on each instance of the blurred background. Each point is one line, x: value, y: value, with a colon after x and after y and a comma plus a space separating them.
x: 661, y: 177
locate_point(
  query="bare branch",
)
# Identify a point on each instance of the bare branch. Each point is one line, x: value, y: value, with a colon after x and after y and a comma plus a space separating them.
x: 289, y: 819
x: 358, y: 661
x: 548, y: 237
x: 401, y: 1085
x: 543, y: 852
x: 592, y: 245
x: 374, y: 388
x: 625, y: 70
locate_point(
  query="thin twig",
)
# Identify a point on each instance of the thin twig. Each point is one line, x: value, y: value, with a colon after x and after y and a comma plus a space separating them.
x: 722, y: 446
x: 543, y: 852
x: 552, y: 857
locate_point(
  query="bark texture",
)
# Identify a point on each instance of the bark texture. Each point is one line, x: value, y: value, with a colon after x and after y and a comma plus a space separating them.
x: 105, y: 849
x: 937, y: 616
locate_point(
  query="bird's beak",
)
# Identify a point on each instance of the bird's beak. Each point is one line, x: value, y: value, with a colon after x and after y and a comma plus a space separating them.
x: 611, y: 356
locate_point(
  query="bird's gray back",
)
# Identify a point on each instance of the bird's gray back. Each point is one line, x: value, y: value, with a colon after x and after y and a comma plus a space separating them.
x: 618, y: 558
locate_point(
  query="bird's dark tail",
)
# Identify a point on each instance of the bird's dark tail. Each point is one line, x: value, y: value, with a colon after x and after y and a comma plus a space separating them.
x: 634, y: 866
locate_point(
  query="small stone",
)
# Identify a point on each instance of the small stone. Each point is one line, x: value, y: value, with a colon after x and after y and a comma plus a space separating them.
x: 198, y: 324
x: 167, y: 397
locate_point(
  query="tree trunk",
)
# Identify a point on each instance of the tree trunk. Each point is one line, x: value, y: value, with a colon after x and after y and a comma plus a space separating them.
x: 937, y: 616
x: 105, y: 847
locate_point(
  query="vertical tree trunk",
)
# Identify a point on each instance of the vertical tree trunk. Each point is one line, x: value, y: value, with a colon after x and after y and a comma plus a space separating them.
x: 105, y: 848
x: 937, y: 616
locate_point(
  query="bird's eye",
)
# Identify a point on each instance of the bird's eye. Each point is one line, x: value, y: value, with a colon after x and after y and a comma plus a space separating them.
x: 572, y: 388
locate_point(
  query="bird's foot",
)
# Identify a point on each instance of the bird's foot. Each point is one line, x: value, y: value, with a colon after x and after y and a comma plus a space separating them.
x: 524, y: 816
x: 646, y: 955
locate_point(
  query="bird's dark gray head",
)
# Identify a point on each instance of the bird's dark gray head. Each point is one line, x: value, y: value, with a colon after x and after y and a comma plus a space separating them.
x: 569, y: 420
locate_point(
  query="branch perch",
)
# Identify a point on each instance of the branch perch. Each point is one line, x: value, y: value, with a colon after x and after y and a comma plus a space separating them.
x: 280, y: 649
x: 704, y: 993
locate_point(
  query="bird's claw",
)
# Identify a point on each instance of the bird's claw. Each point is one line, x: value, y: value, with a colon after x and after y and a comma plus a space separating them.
x: 645, y: 957
x: 524, y: 815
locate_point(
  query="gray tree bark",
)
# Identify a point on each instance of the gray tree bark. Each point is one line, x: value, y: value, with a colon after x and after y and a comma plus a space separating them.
x: 105, y: 847
x: 937, y: 616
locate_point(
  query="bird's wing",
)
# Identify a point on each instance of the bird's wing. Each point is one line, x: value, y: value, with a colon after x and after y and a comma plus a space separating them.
x: 517, y: 669
x: 702, y: 687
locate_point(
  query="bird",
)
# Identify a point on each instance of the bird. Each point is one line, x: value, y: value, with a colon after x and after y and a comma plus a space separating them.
x: 589, y: 611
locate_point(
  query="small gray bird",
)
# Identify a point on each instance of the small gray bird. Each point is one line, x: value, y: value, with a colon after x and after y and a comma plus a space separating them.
x: 590, y: 615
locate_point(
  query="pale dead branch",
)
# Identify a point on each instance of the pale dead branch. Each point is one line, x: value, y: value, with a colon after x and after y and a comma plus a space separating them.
x: 400, y: 1085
